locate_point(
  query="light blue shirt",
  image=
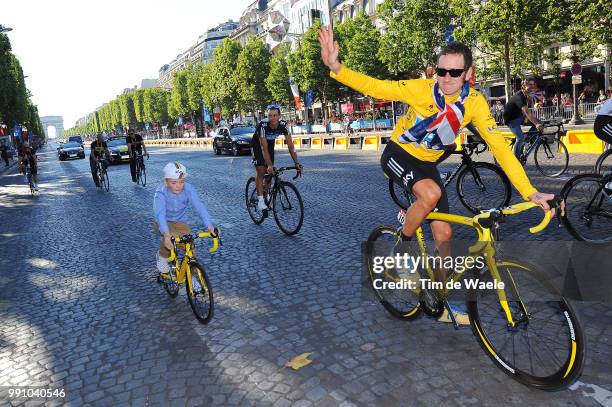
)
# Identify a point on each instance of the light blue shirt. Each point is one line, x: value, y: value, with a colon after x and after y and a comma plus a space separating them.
x: 171, y: 207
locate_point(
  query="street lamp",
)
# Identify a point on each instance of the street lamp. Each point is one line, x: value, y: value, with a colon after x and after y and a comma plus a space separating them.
x: 576, y: 119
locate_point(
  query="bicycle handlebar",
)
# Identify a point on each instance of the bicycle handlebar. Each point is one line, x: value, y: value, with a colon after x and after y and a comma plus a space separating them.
x: 522, y: 207
x: 283, y: 169
x: 189, y: 238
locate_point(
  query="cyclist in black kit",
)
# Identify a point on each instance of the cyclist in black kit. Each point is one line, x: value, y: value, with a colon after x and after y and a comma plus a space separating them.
x: 262, y: 146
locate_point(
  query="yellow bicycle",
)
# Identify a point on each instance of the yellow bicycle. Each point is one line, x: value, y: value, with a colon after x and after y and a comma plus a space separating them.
x: 527, y: 328
x: 188, y: 271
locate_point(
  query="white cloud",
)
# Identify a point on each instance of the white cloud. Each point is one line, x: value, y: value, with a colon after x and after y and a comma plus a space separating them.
x: 80, y: 54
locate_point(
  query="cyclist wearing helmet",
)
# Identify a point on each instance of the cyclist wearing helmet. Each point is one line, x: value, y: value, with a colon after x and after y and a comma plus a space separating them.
x: 170, y: 204
x: 263, y: 148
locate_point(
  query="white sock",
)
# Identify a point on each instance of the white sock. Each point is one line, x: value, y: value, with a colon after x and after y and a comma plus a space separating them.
x: 260, y: 198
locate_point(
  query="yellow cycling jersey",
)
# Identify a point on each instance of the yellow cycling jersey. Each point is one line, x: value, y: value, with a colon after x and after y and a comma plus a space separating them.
x: 418, y: 95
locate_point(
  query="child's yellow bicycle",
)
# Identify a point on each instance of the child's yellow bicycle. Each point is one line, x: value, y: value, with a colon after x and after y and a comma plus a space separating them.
x: 527, y: 328
x: 189, y: 271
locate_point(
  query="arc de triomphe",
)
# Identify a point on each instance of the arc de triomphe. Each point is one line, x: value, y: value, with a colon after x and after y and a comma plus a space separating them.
x: 55, y: 121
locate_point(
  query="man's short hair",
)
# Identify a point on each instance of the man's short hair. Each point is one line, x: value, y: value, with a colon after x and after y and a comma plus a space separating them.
x: 458, y: 48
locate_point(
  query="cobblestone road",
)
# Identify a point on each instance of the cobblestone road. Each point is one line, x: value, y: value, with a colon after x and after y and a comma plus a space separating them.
x: 80, y: 310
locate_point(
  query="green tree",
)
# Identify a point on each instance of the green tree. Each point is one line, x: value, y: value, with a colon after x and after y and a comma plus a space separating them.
x: 226, y: 94
x: 138, y: 107
x: 277, y: 81
x: 207, y: 87
x: 307, y: 69
x: 511, y: 33
x: 179, y: 103
x: 252, y: 69
x: 13, y: 92
x: 155, y: 105
x: 126, y: 104
x: 360, y: 43
x: 115, y: 113
x: 414, y: 32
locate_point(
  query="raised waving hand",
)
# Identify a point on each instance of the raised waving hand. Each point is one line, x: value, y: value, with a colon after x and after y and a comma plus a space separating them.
x: 329, y: 49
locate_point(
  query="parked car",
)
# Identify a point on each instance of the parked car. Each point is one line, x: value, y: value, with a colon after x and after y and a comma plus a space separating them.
x: 70, y: 150
x: 76, y: 139
x: 235, y: 139
x: 118, y: 149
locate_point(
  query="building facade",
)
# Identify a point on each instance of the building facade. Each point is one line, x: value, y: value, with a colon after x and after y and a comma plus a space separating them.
x: 201, y: 51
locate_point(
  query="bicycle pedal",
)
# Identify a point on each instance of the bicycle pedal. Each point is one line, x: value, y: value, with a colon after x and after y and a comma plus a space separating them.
x: 430, y: 304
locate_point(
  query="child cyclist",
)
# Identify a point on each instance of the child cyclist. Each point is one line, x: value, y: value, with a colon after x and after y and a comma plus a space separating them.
x: 170, y: 205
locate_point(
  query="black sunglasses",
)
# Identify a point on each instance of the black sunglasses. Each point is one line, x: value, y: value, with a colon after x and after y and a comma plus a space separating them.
x: 454, y: 73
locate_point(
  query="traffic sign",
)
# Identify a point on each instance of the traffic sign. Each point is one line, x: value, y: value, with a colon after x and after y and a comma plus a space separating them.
x: 576, y: 79
x: 576, y: 69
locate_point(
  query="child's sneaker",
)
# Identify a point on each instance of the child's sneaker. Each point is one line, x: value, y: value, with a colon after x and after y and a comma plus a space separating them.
x: 460, y: 315
x: 162, y: 264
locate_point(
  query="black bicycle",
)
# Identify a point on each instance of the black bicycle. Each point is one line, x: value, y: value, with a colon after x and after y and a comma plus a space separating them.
x: 480, y: 185
x: 141, y: 172
x: 282, y: 197
x: 30, y: 178
x: 604, y: 162
x: 550, y: 154
x: 103, y: 182
x: 588, y: 207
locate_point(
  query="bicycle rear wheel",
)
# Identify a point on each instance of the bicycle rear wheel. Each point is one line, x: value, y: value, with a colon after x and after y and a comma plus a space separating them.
x: 170, y: 282
x: 400, y: 196
x: 401, y: 303
x: 251, y: 200
x: 588, y: 207
x: 604, y: 163
x: 200, y: 294
x: 545, y: 347
x: 288, y: 208
x: 551, y: 158
x: 483, y: 186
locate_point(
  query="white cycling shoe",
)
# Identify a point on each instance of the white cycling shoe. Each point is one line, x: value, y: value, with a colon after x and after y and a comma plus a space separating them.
x: 162, y: 264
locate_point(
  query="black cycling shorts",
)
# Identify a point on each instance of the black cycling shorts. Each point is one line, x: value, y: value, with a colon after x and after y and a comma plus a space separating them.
x: 405, y: 170
x: 603, y: 128
x: 33, y: 166
x: 258, y: 158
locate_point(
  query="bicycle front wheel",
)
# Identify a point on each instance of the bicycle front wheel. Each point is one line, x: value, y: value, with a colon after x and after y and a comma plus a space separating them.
x: 588, y: 207
x: 199, y: 293
x: 401, y: 303
x: 483, y: 186
x: 142, y: 175
x: 400, y: 196
x: 104, y: 179
x: 551, y: 158
x: 545, y: 347
x: 288, y: 208
x: 251, y: 199
x: 604, y: 163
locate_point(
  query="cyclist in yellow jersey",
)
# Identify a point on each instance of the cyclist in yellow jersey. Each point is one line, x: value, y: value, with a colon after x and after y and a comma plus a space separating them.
x: 437, y: 110
x: 99, y: 150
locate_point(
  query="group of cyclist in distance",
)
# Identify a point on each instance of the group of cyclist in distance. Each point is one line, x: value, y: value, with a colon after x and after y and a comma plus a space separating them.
x: 100, y: 151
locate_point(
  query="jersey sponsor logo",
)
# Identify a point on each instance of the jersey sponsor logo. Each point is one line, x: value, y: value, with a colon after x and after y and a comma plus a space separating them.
x: 407, y: 178
x: 395, y: 167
